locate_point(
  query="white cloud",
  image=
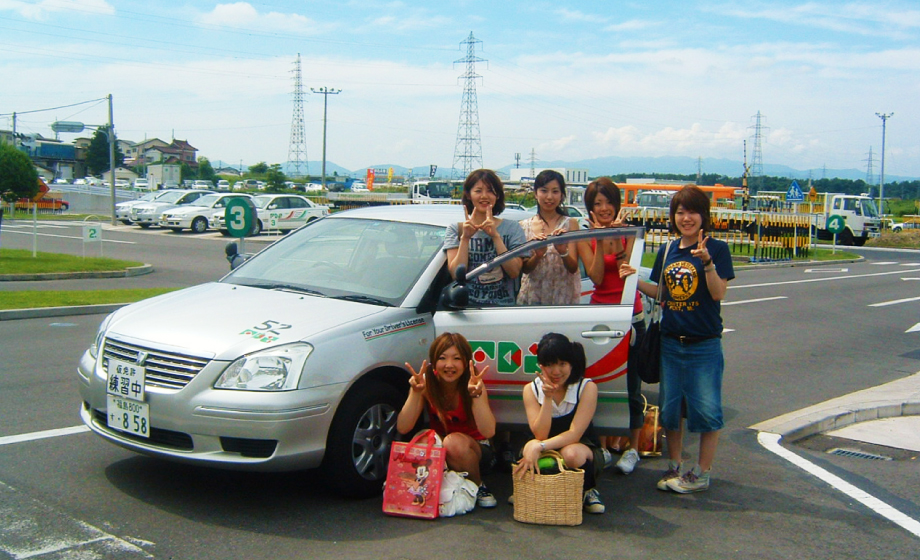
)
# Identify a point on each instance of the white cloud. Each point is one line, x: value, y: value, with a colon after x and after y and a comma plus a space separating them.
x: 632, y: 25
x: 243, y: 15
x: 576, y: 15
x: 41, y: 9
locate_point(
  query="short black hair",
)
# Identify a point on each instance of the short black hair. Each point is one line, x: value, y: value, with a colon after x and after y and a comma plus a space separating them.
x: 554, y: 348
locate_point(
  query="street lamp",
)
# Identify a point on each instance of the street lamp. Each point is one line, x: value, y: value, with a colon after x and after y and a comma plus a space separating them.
x: 881, y: 182
x: 325, y: 92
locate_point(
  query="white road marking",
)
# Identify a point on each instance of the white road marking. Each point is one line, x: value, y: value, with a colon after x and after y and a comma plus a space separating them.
x: 883, y: 263
x: 905, y: 279
x: 915, y: 328
x: 42, y: 435
x: 770, y: 442
x: 753, y: 300
x: 71, y: 237
x: 812, y: 270
x: 32, y: 529
x: 808, y: 281
x: 911, y: 264
x: 894, y: 302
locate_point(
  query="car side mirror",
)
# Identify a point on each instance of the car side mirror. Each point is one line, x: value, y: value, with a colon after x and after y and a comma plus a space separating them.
x: 456, y: 295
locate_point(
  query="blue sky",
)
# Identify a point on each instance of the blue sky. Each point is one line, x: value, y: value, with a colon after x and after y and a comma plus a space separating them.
x: 568, y: 80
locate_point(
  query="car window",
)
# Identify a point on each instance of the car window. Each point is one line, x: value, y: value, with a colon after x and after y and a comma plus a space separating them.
x: 294, y: 202
x: 346, y: 257
x: 633, y: 236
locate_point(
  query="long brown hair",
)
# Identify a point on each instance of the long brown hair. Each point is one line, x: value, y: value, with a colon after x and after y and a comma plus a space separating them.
x: 433, y: 385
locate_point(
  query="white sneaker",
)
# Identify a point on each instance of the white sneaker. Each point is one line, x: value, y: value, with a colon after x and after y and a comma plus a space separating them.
x: 628, y: 461
x: 608, y: 458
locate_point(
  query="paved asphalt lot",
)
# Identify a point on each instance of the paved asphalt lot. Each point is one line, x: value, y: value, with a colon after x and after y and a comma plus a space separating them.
x: 792, y: 346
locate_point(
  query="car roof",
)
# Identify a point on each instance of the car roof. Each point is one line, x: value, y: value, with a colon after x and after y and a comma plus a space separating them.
x: 431, y: 214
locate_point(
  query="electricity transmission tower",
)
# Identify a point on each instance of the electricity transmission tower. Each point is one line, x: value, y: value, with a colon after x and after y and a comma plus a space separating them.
x: 468, y: 151
x: 870, y: 162
x: 297, y: 152
x: 757, y: 155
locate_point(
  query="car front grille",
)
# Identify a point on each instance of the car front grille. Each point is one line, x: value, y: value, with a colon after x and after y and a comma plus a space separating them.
x: 164, y: 369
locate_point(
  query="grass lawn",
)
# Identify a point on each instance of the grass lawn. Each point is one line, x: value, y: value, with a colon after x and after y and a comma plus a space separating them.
x: 32, y: 299
x: 20, y: 261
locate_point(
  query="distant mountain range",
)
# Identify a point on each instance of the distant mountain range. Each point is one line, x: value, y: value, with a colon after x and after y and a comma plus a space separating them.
x: 613, y: 165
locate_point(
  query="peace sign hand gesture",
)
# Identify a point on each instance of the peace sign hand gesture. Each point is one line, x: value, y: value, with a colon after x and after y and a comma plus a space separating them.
x: 595, y: 223
x: 489, y: 224
x: 467, y: 228
x: 417, y: 380
x: 476, y: 386
x: 701, y: 252
x: 620, y: 220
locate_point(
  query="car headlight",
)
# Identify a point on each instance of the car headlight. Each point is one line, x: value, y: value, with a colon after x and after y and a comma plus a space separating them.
x: 100, y: 335
x: 274, y: 369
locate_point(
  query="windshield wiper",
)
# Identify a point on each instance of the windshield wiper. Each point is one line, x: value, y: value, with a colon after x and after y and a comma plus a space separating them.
x: 364, y: 299
x: 293, y: 288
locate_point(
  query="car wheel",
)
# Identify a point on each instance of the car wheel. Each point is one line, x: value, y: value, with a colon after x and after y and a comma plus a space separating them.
x: 126, y: 222
x: 358, y: 445
x: 176, y: 229
x: 144, y: 226
x: 65, y: 207
x: 199, y: 225
x: 256, y: 228
x: 225, y: 233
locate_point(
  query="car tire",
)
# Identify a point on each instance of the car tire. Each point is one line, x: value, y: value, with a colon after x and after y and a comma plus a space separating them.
x: 199, y: 225
x: 143, y: 226
x: 358, y: 444
x: 65, y: 207
x: 846, y: 238
x: 225, y: 233
x: 256, y: 228
x: 126, y: 222
x: 176, y: 229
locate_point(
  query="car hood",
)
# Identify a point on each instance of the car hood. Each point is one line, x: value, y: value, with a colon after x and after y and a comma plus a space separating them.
x: 226, y: 321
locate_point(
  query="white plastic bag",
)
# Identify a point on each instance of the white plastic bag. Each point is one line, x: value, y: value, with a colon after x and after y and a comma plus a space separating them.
x: 458, y: 495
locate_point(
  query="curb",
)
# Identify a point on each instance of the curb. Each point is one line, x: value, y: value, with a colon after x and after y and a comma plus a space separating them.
x: 40, y: 312
x: 129, y: 272
x: 900, y: 397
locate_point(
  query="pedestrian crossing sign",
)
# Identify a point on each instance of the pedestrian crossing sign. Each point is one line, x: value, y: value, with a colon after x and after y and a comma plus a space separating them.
x: 795, y: 194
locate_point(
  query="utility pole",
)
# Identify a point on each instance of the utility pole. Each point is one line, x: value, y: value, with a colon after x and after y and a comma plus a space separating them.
x: 112, y: 157
x: 881, y: 180
x: 757, y: 155
x: 325, y: 92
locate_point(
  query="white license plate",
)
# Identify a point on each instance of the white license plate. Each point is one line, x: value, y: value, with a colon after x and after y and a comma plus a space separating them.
x: 126, y: 380
x: 128, y: 416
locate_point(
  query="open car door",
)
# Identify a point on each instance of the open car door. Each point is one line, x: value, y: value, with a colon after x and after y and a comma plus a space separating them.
x: 505, y: 338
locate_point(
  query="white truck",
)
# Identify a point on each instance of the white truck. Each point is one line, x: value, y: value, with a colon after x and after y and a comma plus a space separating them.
x: 424, y: 192
x: 858, y: 211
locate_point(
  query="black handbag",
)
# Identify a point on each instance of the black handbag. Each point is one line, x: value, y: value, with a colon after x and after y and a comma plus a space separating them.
x: 649, y: 350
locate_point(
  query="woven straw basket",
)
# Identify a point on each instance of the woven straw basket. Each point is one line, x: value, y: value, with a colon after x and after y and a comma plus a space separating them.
x: 550, y: 499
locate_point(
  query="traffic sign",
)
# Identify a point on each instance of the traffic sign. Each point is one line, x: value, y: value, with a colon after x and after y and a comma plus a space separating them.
x: 92, y: 233
x: 836, y: 224
x: 795, y: 194
x: 239, y: 216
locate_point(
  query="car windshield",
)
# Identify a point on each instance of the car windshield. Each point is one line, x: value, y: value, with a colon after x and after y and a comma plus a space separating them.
x: 149, y: 196
x: 439, y: 189
x: 374, y: 261
x: 207, y: 200
x: 171, y: 196
x: 868, y: 208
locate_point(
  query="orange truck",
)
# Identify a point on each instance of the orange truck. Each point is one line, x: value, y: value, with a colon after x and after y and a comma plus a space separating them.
x: 46, y: 199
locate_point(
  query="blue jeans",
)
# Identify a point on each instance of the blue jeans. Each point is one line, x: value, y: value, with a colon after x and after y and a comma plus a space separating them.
x: 691, y: 373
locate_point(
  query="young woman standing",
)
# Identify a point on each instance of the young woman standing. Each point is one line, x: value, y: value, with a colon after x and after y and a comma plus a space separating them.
x: 481, y: 237
x: 550, y: 273
x: 697, y: 269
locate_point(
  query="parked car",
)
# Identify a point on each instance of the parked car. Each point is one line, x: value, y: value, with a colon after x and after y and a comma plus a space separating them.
x: 203, y: 184
x: 141, y: 184
x: 295, y: 359
x: 123, y: 209
x: 313, y: 187
x: 194, y: 216
x: 223, y: 185
x: 247, y: 184
x: 148, y: 213
x: 280, y: 212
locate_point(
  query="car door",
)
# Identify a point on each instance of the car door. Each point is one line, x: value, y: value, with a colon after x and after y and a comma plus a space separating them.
x: 278, y: 213
x: 505, y: 338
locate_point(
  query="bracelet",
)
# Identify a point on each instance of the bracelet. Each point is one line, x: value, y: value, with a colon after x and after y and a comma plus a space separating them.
x: 564, y: 255
x: 709, y: 268
x: 707, y: 263
x: 542, y: 446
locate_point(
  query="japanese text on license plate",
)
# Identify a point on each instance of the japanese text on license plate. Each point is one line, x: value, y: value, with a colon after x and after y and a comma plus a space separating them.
x: 126, y: 380
x: 128, y: 416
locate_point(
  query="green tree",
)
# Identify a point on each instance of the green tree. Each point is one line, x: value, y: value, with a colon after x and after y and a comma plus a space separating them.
x: 97, y: 155
x: 18, y: 177
x: 275, y: 178
x: 185, y: 172
x: 259, y: 169
x: 206, y: 170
